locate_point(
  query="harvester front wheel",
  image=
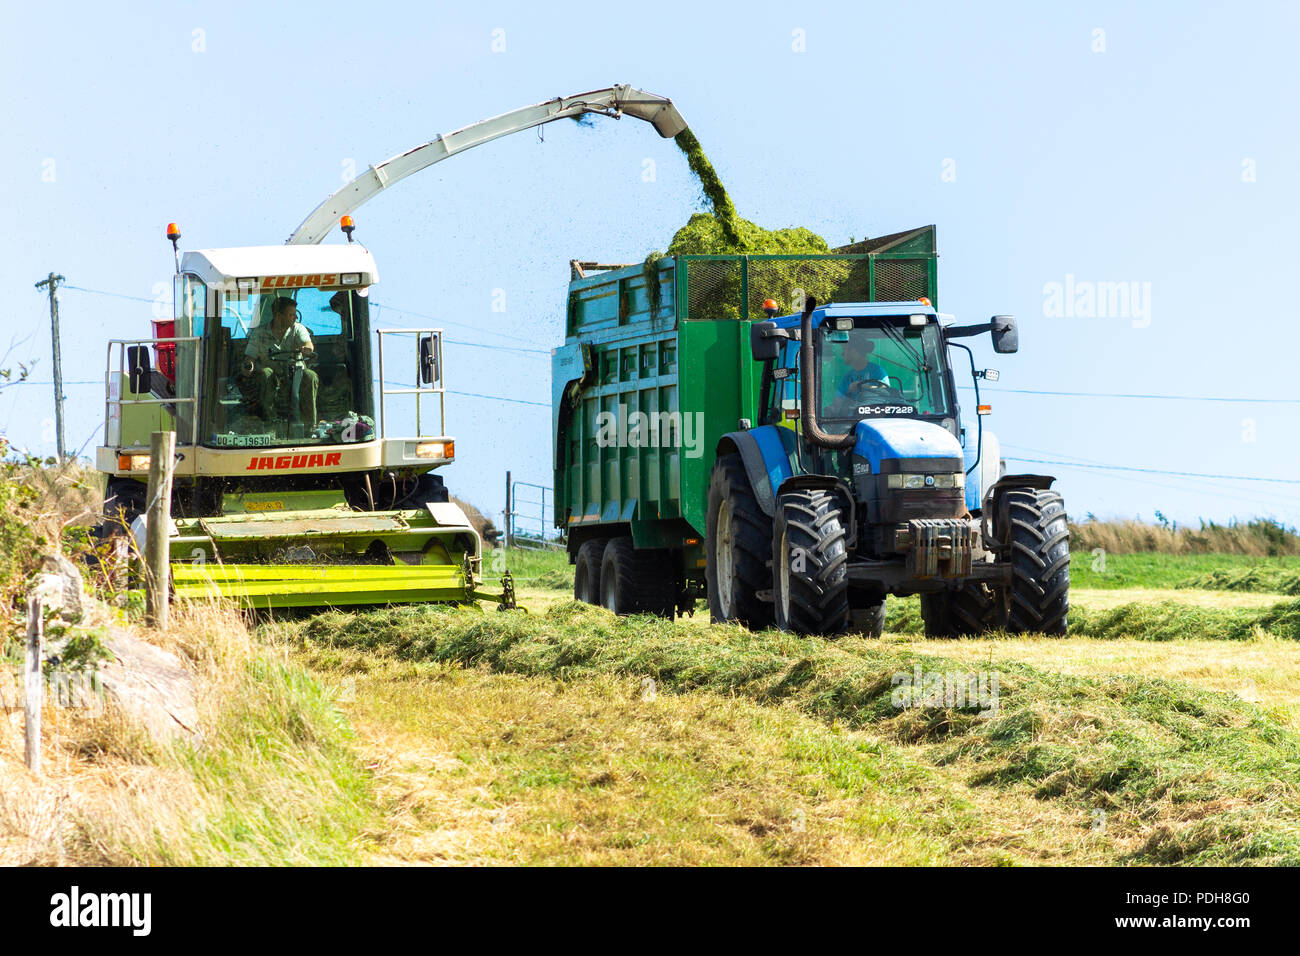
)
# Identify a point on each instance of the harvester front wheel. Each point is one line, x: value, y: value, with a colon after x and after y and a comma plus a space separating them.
x: 1040, y: 561
x: 636, y: 581
x: 810, y: 564
x: 586, y: 571
x: 739, y: 539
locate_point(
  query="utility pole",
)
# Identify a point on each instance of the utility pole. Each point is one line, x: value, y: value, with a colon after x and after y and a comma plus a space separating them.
x: 510, y: 517
x: 52, y: 283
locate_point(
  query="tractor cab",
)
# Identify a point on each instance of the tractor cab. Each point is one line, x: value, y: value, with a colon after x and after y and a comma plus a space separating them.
x: 873, y: 360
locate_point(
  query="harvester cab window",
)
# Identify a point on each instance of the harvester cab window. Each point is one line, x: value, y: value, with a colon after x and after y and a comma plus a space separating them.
x: 290, y: 367
x: 889, y: 368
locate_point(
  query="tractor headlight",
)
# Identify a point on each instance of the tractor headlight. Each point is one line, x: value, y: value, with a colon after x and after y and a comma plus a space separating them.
x: 914, y: 482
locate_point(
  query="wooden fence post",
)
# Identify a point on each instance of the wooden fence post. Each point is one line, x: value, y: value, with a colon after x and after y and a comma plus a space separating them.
x: 34, y: 683
x: 162, y: 455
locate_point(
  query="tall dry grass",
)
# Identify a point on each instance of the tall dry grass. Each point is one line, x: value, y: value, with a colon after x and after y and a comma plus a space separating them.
x: 1260, y: 537
x: 272, y: 778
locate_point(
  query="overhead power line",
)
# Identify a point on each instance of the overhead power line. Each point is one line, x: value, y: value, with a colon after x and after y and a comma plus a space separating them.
x: 1152, y: 471
x: 1135, y: 395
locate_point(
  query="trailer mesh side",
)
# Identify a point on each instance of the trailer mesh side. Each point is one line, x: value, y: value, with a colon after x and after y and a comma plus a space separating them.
x: 735, y: 287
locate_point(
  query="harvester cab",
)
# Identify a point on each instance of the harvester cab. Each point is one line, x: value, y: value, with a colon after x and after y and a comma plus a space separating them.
x: 289, y: 489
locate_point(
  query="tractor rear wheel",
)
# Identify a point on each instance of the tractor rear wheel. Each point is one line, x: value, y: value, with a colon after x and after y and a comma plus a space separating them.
x: 636, y: 581
x: 870, y: 620
x: 965, y: 612
x: 739, y: 539
x: 586, y: 571
x: 810, y: 564
x: 1040, y: 561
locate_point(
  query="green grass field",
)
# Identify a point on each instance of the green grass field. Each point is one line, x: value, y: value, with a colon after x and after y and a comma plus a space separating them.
x: 1165, y: 729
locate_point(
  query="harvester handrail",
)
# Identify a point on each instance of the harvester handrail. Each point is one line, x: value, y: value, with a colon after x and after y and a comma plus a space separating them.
x: 418, y: 390
x: 109, y: 382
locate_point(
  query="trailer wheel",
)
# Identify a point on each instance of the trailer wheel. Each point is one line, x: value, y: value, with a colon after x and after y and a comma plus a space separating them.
x: 586, y: 571
x: 965, y: 612
x: 739, y: 544
x: 1040, y: 561
x: 810, y: 564
x: 637, y: 581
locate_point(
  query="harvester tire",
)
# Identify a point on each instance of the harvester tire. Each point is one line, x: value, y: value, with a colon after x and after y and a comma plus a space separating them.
x: 124, y: 501
x: 810, y: 564
x: 739, y: 546
x: 965, y: 612
x: 586, y: 571
x: 429, y: 489
x: 636, y: 581
x: 1040, y: 561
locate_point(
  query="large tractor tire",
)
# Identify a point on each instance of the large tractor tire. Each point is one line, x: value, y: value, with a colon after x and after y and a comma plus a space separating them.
x: 637, y: 581
x: 965, y: 612
x: 810, y: 564
x: 1040, y: 561
x: 586, y: 571
x: 739, y: 545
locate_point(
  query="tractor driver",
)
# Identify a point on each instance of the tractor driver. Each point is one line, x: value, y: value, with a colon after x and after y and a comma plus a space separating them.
x: 264, y: 360
x: 855, y: 352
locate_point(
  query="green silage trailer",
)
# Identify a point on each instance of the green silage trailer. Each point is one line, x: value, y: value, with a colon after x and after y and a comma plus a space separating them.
x: 655, y: 369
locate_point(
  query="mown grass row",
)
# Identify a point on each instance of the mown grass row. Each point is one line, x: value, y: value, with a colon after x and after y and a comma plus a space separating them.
x: 1200, y: 776
x: 1145, y: 621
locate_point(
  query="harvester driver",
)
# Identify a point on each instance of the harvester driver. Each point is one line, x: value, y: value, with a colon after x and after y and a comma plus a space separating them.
x: 273, y: 358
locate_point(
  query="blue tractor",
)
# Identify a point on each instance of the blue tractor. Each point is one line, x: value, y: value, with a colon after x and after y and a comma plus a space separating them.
x: 859, y: 481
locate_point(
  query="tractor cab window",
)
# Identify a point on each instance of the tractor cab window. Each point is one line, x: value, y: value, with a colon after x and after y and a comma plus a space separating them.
x: 882, y: 368
x: 290, y: 367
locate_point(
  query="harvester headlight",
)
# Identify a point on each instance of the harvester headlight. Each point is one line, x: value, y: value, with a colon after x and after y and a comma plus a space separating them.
x: 435, y: 449
x: 350, y: 278
x: 132, y: 462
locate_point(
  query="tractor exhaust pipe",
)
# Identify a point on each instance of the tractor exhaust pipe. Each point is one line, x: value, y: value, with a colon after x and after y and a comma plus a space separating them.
x: 812, y: 387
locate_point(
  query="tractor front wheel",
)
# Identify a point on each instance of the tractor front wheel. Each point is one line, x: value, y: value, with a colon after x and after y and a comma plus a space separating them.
x: 1040, y: 561
x: 810, y: 564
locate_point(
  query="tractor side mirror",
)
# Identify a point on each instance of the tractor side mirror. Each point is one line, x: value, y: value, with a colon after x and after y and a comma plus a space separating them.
x: 139, y: 368
x: 1005, y: 337
x: 428, y: 360
x: 765, y: 348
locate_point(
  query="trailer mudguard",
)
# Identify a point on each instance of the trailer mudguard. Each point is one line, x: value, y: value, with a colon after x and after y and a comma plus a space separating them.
x: 769, y: 453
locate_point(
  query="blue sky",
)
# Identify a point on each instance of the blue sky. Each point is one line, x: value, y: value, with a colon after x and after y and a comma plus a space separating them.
x: 1161, y: 151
